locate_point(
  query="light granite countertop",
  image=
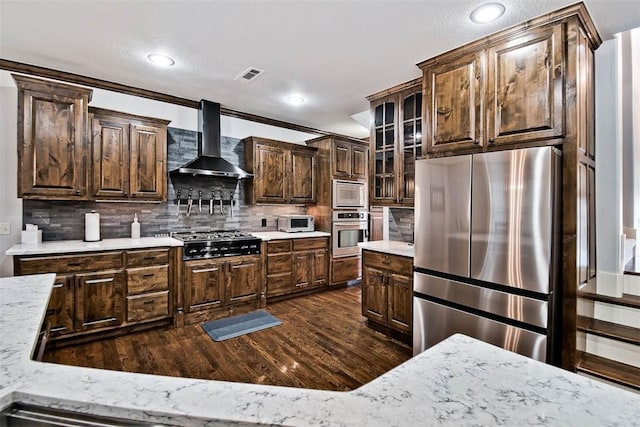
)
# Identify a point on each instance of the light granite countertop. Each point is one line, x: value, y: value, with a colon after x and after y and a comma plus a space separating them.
x: 278, y: 235
x: 460, y: 381
x: 69, y: 246
x: 389, y: 247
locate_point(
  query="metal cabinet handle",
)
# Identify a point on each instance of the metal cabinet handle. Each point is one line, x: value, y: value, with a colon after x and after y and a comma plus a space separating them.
x: 148, y: 275
x: 475, y: 141
x: 205, y: 270
x: 148, y: 302
x: 386, y: 260
x: 100, y: 281
x: 491, y: 140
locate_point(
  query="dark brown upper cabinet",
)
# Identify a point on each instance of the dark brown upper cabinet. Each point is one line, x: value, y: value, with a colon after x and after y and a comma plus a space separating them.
x: 52, y: 140
x: 395, y: 143
x: 453, y: 93
x: 350, y: 160
x: 342, y: 158
x: 282, y: 172
x: 302, y: 178
x: 497, y: 94
x: 524, y: 88
x: 129, y: 156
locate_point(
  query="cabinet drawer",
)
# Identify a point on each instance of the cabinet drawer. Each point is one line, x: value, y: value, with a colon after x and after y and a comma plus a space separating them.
x: 147, y: 306
x: 71, y: 263
x: 146, y: 279
x: 147, y: 257
x: 278, y: 283
x: 313, y: 243
x: 278, y: 263
x: 279, y: 246
x: 394, y: 263
x: 345, y: 269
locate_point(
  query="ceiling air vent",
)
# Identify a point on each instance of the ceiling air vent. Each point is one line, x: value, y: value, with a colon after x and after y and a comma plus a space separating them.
x: 249, y: 74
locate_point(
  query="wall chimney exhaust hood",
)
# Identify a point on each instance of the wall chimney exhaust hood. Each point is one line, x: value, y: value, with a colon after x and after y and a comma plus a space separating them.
x: 209, y: 161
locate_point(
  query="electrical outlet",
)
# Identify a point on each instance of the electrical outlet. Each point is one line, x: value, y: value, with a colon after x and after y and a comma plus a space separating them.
x: 5, y: 228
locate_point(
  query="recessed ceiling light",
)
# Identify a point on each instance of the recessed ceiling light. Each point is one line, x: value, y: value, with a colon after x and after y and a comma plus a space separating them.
x: 295, y: 100
x: 162, y: 60
x: 487, y: 12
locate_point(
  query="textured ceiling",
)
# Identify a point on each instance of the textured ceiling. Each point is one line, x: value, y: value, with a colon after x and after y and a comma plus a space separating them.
x: 333, y: 52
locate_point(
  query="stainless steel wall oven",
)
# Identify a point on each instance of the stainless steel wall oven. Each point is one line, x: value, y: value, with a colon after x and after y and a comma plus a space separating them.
x: 349, y: 229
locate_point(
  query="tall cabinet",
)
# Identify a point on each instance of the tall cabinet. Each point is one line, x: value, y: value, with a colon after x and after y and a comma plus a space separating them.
x: 529, y: 85
x: 343, y: 159
x: 395, y: 143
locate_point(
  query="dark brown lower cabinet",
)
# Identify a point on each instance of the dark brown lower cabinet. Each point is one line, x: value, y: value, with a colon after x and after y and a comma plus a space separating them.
x: 101, y: 291
x: 60, y: 312
x: 148, y: 296
x: 310, y: 268
x: 204, y: 284
x: 99, y: 299
x: 294, y: 265
x: 387, y: 290
x: 344, y: 270
x: 244, y: 280
x: 215, y: 287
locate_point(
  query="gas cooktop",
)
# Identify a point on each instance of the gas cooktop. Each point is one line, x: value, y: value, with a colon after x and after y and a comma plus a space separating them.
x: 217, y: 243
x: 211, y: 235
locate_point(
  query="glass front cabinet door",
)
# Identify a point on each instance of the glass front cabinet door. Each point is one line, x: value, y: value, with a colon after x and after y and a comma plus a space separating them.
x: 396, y: 142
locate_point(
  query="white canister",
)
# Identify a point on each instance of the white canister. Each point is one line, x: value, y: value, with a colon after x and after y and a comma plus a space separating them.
x: 92, y: 226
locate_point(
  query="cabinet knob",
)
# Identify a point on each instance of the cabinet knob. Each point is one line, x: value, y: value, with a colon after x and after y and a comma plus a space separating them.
x: 491, y: 140
x: 475, y: 141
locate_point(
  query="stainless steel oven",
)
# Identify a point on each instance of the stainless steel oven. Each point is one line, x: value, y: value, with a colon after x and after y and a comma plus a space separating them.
x: 349, y: 229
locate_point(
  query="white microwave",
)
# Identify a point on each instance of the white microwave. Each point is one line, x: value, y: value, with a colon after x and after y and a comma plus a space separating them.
x: 349, y: 194
x: 295, y: 223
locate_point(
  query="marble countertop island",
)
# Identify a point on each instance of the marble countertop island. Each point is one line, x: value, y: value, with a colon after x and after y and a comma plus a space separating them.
x: 389, y: 247
x: 460, y: 381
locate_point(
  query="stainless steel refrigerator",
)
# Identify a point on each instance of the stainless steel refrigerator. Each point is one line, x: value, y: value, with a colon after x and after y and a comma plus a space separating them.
x: 487, y: 250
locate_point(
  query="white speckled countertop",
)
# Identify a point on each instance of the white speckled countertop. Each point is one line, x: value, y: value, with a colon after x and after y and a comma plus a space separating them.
x: 389, y: 247
x: 277, y: 235
x: 460, y: 381
x: 69, y: 246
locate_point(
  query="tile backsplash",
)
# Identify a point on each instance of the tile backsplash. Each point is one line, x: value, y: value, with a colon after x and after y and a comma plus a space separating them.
x: 401, y: 222
x: 64, y: 220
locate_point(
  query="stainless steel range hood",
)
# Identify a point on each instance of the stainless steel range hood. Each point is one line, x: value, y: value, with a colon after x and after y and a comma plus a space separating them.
x: 209, y: 161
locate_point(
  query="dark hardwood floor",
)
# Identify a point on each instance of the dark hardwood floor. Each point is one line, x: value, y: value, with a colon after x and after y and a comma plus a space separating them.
x: 323, y: 343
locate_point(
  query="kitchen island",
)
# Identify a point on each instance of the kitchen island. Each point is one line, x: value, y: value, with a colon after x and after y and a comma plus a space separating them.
x: 460, y: 381
x: 391, y: 247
